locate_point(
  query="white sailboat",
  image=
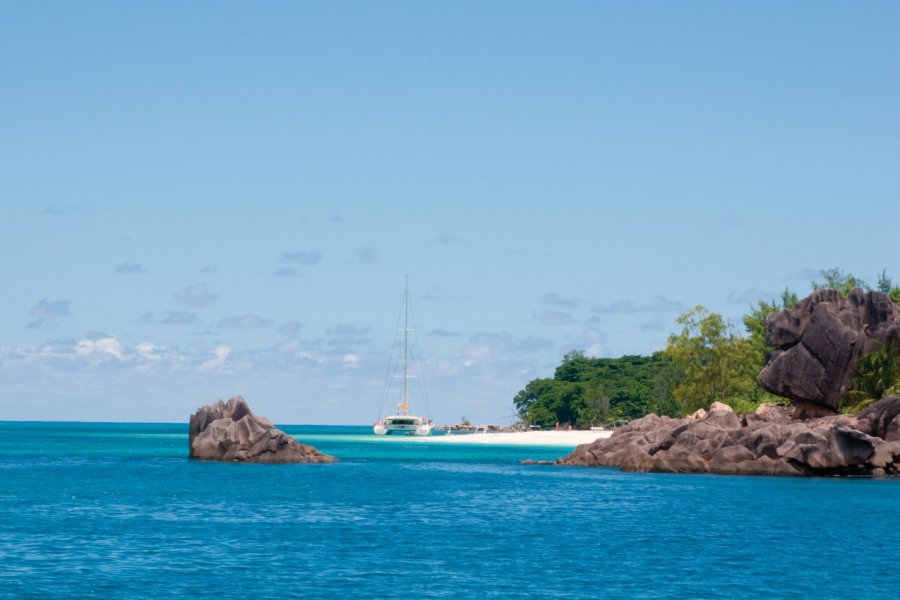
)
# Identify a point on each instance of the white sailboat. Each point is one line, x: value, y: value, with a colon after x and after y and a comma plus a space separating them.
x: 402, y: 422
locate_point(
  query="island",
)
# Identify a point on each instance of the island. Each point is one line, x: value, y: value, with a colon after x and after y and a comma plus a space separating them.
x: 816, y: 345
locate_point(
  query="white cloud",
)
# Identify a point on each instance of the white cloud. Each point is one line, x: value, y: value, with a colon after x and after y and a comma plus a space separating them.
x: 499, y: 362
x: 247, y: 321
x: 220, y: 354
x: 476, y: 351
x: 296, y: 352
x: 148, y: 351
x: 169, y: 317
x: 595, y: 350
x: 100, y: 347
x: 503, y: 349
x: 593, y: 341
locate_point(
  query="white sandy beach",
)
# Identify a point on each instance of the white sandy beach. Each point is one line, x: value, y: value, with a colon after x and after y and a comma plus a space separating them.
x: 524, y: 438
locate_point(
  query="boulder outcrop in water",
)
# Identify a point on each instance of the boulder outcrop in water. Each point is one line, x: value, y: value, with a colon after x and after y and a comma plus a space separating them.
x: 818, y: 342
x: 768, y: 442
x: 229, y: 431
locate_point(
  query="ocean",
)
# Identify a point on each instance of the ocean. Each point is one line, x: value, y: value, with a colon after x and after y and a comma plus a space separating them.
x: 118, y: 511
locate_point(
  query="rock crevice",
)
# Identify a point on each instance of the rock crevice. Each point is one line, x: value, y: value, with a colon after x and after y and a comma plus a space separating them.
x: 768, y: 442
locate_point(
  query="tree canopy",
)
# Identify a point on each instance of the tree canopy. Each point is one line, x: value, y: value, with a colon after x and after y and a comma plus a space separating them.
x: 707, y: 359
x: 595, y: 391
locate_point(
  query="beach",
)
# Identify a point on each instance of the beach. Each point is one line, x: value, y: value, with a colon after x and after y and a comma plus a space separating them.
x: 523, y: 438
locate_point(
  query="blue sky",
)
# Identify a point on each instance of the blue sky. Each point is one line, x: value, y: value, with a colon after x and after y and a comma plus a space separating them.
x: 205, y: 199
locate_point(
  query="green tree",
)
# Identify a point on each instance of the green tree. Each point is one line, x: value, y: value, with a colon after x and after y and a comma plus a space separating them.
x: 839, y: 280
x: 875, y: 376
x: 594, y: 406
x: 665, y: 381
x: 526, y: 398
x: 886, y: 286
x: 587, y: 391
x: 716, y: 364
x: 574, y: 366
x: 706, y: 361
x: 545, y: 402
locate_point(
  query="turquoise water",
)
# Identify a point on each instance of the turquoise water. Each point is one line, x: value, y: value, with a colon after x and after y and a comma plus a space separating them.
x: 118, y: 511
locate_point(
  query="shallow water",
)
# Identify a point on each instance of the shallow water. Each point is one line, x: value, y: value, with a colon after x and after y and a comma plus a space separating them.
x: 117, y: 510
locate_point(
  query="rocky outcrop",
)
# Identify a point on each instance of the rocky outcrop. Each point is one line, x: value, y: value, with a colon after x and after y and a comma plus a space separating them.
x: 229, y: 431
x: 818, y: 342
x: 817, y: 345
x: 768, y: 442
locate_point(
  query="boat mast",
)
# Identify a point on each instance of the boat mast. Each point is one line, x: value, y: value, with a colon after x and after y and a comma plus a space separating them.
x: 405, y: 405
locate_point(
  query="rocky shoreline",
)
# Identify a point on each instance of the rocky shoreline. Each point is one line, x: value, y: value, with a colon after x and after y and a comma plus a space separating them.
x: 816, y: 347
x: 768, y: 442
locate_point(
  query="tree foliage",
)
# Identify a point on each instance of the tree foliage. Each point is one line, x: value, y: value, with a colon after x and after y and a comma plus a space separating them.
x: 839, y: 280
x: 886, y: 286
x: 716, y: 363
x: 594, y: 391
x: 875, y: 376
x: 706, y: 360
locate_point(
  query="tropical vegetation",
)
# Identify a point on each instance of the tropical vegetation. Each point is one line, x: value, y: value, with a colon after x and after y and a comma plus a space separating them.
x: 707, y: 359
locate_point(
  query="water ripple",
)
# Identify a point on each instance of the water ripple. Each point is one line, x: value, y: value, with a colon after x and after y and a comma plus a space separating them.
x: 131, y: 519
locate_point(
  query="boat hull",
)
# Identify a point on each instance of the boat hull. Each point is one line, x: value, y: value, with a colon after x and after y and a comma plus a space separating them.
x: 402, y: 426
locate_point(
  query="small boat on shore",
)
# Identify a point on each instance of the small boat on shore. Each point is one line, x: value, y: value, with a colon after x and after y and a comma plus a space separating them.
x: 402, y: 422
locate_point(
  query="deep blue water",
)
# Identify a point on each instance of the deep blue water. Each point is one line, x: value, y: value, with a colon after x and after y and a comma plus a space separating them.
x: 118, y: 511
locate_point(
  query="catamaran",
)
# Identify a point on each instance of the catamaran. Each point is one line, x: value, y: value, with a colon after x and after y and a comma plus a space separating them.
x: 403, y: 422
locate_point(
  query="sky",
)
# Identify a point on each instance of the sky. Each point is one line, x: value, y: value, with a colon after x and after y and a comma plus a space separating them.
x: 206, y: 199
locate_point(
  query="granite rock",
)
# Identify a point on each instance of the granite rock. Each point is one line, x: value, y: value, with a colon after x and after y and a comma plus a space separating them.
x: 229, y: 431
x: 817, y: 345
x: 818, y: 342
x: 767, y: 442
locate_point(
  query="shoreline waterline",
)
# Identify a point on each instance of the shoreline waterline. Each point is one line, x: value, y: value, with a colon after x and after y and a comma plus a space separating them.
x: 569, y: 439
